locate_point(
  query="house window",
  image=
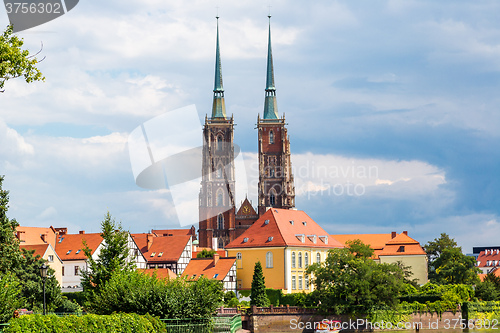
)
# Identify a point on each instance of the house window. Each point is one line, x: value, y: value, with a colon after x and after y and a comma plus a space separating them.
x: 238, y: 255
x: 220, y: 221
x: 306, y: 282
x: 300, y: 282
x: 318, y: 257
x: 293, y: 259
x: 63, y: 271
x: 306, y: 259
x: 401, y: 248
x: 51, y: 258
x: 77, y: 270
x: 269, y: 260
x: 271, y: 137
x: 219, y: 197
x: 294, y: 283
x: 300, y: 259
x: 219, y: 142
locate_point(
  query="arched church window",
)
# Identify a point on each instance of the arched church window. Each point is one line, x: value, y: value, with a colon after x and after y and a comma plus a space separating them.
x: 271, y: 137
x: 220, y: 198
x: 218, y: 173
x: 220, y: 221
x: 219, y: 142
x: 272, y: 198
x: 221, y: 243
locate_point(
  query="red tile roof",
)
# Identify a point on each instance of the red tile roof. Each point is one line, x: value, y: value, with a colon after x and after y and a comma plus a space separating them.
x: 33, y: 235
x: 40, y: 249
x: 162, y: 273
x: 205, y: 267
x: 385, y: 245
x: 285, y: 227
x: 171, y: 232
x: 73, y: 243
x: 170, y: 247
x: 492, y: 258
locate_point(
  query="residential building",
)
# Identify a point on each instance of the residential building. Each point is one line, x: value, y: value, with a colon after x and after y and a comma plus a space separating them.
x: 392, y: 248
x: 160, y: 273
x: 286, y: 242
x: 488, y: 260
x: 47, y: 252
x: 222, y: 269
x: 70, y: 247
x: 172, y: 252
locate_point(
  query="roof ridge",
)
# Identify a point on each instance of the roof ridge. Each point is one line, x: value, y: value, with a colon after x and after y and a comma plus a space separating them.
x: 279, y: 229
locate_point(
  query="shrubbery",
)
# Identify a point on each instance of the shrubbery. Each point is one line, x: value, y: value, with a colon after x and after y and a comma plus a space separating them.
x: 135, y: 292
x: 115, y: 323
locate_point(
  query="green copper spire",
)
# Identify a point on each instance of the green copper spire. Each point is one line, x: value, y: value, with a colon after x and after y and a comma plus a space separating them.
x: 219, y: 106
x: 270, y: 105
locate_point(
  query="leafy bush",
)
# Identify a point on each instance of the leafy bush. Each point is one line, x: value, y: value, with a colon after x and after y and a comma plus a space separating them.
x: 115, y: 323
x: 68, y: 306
x: 134, y: 292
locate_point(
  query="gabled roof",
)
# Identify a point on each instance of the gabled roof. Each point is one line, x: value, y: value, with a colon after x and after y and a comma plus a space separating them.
x: 40, y: 249
x: 246, y: 206
x: 171, y: 232
x: 33, y: 235
x: 205, y: 267
x: 162, y: 273
x: 385, y: 244
x: 163, y: 249
x: 67, y: 245
x: 284, y: 227
x: 489, y: 256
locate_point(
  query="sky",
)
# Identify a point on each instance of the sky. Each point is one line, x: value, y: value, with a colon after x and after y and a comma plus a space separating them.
x: 393, y: 110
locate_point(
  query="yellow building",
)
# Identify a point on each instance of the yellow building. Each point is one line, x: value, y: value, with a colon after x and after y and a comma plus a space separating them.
x: 286, y: 242
x: 393, y: 247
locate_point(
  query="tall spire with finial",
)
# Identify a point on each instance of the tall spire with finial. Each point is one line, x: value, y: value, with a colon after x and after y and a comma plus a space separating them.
x: 219, y: 106
x: 270, y: 105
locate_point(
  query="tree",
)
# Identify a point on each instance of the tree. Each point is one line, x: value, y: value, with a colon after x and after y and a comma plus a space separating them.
x: 487, y: 291
x: 258, y: 295
x: 447, y: 263
x: 112, y: 258
x: 23, y: 266
x: 359, y: 249
x: 15, y: 62
x: 10, y: 299
x: 206, y: 253
x: 350, y: 283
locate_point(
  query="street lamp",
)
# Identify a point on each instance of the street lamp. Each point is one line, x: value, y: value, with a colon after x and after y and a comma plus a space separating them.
x: 43, y: 272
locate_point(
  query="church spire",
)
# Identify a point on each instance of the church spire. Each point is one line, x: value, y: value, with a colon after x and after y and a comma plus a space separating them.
x: 270, y: 105
x: 219, y: 106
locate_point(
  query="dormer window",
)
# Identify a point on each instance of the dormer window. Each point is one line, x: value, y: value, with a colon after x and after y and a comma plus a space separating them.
x: 245, y: 239
x: 78, y: 251
x: 324, y: 239
x: 266, y: 222
x: 291, y: 222
x: 68, y: 252
x: 301, y: 237
x: 215, y: 276
x: 270, y: 238
x: 160, y: 254
x: 153, y: 254
x: 304, y: 223
x: 401, y: 248
x: 312, y: 238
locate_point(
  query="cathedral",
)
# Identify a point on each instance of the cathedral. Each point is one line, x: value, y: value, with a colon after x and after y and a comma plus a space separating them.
x: 220, y: 221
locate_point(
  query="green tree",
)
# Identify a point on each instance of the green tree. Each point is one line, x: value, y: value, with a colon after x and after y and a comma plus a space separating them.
x: 16, y: 62
x: 447, y: 263
x: 350, y: 283
x: 258, y: 296
x: 23, y: 266
x: 487, y: 291
x: 112, y: 258
x: 206, y: 253
x: 359, y: 249
x: 10, y: 299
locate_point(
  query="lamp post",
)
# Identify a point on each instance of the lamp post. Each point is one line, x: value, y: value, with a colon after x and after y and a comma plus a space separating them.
x: 43, y: 272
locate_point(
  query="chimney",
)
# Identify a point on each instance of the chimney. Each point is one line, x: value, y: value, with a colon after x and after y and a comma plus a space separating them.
x: 61, y: 231
x: 82, y: 232
x: 21, y: 235
x: 150, y: 240
x: 393, y: 234
x: 216, y: 258
x: 44, y: 237
x: 405, y: 232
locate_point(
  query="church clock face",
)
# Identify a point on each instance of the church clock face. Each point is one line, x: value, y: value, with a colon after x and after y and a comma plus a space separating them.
x: 246, y: 210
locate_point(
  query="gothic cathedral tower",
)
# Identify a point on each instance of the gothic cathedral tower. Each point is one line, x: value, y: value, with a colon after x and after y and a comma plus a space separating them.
x: 276, y: 188
x: 217, y: 208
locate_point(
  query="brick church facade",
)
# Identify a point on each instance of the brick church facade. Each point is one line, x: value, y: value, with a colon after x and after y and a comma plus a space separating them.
x: 220, y: 220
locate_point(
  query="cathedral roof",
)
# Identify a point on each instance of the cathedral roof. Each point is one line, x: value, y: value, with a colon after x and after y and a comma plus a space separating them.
x: 219, y: 107
x: 246, y: 208
x: 270, y: 104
